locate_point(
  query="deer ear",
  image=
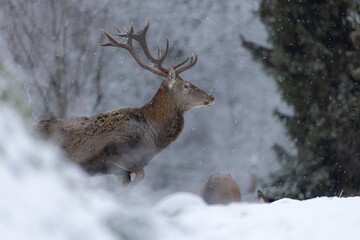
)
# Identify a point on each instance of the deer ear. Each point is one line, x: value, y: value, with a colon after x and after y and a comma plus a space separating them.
x: 171, y: 76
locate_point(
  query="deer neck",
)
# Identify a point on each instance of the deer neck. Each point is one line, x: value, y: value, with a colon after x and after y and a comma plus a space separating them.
x: 165, y: 116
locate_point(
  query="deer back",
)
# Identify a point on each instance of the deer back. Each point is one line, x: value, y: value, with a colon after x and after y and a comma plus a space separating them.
x: 85, y: 138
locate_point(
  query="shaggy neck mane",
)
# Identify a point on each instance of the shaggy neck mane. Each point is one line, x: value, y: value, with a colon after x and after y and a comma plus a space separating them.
x: 163, y: 113
x: 161, y: 109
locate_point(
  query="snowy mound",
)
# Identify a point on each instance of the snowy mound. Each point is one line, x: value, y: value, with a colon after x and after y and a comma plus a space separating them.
x: 46, y: 197
x: 321, y: 218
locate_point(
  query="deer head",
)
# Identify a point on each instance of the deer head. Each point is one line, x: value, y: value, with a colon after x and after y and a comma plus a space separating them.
x: 184, y: 94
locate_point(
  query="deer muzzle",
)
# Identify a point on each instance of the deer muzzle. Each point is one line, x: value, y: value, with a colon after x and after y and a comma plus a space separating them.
x: 209, y: 102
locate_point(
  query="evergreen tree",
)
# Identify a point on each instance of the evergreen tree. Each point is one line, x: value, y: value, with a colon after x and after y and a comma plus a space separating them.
x: 315, y: 59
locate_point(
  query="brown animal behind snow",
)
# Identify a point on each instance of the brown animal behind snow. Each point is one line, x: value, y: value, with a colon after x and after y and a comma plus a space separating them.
x: 220, y: 189
x: 123, y: 141
x: 266, y: 199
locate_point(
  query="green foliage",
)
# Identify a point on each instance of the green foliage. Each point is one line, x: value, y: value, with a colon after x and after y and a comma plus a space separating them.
x: 315, y: 59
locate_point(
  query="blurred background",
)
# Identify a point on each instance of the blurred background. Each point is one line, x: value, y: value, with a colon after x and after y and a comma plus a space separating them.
x: 52, y: 65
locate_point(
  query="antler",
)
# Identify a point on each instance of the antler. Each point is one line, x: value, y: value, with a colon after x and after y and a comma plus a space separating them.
x: 192, y: 62
x: 140, y: 37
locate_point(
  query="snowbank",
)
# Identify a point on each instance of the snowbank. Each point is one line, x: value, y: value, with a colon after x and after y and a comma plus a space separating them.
x: 321, y: 218
x: 43, y: 196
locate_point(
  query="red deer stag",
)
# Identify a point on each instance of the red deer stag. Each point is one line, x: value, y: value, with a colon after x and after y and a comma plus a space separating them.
x: 123, y: 141
x: 220, y: 189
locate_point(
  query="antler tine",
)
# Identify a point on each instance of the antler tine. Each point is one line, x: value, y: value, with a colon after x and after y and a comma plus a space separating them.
x: 159, y: 51
x: 192, y: 62
x: 117, y: 29
x: 112, y: 42
x: 129, y: 46
x: 181, y: 63
x: 141, y: 39
x: 162, y: 58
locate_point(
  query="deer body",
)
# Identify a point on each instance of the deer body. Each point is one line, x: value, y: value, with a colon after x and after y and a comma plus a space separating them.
x: 220, y: 189
x: 123, y: 141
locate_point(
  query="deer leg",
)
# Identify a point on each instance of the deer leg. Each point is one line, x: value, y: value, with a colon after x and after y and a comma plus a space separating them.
x: 139, y: 175
x: 124, y: 178
x: 124, y: 175
x: 121, y: 173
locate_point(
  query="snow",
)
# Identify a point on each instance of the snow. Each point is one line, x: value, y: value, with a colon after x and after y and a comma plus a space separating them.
x: 41, y: 195
x: 320, y: 218
x: 44, y: 196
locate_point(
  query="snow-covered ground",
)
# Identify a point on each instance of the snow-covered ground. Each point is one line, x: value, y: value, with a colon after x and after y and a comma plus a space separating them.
x: 321, y: 218
x: 42, y: 196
